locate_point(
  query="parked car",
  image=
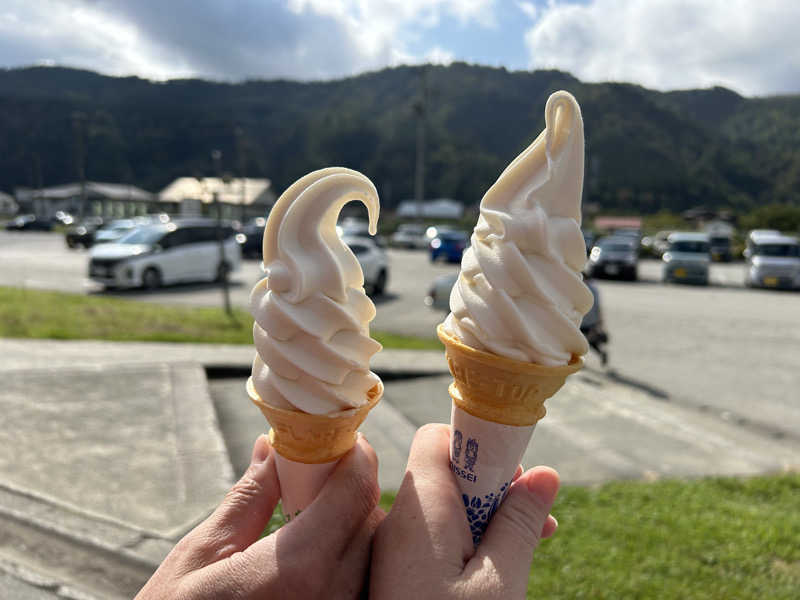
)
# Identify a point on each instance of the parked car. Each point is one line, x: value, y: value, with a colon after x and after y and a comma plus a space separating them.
x: 774, y: 262
x: 438, y: 297
x: 64, y: 218
x: 614, y: 257
x: 373, y: 261
x: 410, y: 235
x: 29, y: 223
x: 251, y: 238
x: 154, y: 255
x: 720, y: 246
x: 752, y: 238
x: 82, y: 234
x: 449, y: 245
x: 351, y: 227
x: 114, y: 231
x: 687, y: 258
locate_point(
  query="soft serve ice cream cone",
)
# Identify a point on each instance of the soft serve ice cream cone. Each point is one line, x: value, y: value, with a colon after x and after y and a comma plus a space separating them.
x: 513, y: 334
x: 311, y: 376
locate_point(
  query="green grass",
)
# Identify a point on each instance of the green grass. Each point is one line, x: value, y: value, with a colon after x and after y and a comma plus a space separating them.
x: 712, y: 538
x: 26, y: 313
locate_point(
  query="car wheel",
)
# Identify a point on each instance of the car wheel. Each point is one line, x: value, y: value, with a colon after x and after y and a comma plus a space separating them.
x: 151, y: 278
x: 223, y: 270
x: 380, y: 283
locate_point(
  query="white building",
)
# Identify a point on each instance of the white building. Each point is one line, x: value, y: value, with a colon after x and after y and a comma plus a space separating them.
x: 103, y: 199
x: 441, y: 208
x: 239, y: 197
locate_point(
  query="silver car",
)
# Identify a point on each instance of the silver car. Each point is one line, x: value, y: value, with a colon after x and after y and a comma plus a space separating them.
x: 687, y: 258
x: 774, y: 262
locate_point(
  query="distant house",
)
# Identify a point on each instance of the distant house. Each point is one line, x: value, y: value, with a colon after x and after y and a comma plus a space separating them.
x: 238, y: 197
x: 614, y: 223
x: 441, y: 208
x: 8, y: 206
x: 103, y: 199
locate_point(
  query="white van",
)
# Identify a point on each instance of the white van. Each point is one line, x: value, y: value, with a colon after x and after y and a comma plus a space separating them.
x: 153, y: 255
x: 774, y: 262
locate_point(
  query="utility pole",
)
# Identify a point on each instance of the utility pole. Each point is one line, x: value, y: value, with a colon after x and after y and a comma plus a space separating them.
x: 223, y: 268
x: 241, y: 160
x: 421, y: 109
x: 79, y: 120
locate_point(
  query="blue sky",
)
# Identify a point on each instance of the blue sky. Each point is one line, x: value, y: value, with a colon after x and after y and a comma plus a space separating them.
x: 747, y: 45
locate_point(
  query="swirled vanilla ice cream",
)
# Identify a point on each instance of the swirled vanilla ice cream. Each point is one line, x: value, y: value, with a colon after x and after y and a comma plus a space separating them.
x: 311, y: 375
x: 513, y: 334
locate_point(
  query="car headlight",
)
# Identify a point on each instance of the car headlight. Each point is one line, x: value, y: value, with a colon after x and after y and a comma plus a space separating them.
x: 436, y: 243
x: 241, y: 238
x: 667, y: 257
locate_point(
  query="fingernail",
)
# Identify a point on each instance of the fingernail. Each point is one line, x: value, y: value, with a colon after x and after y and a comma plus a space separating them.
x: 362, y: 436
x: 260, y: 450
x: 554, y: 520
x: 544, y: 486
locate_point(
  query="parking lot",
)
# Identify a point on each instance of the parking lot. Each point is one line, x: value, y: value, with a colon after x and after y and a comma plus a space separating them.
x: 722, y: 349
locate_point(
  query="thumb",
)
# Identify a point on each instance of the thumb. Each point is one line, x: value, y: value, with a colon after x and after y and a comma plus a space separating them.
x: 516, y: 528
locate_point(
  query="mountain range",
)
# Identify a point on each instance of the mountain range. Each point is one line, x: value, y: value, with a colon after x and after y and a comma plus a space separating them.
x: 646, y: 150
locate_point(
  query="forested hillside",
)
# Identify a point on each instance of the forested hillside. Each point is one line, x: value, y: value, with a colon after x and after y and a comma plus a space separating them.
x: 646, y: 150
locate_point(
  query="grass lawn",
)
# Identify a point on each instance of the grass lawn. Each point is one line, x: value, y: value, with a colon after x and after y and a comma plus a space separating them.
x: 26, y: 313
x: 712, y: 538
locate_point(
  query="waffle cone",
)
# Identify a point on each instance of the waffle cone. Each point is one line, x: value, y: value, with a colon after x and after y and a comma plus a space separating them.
x: 314, y: 439
x: 499, y: 389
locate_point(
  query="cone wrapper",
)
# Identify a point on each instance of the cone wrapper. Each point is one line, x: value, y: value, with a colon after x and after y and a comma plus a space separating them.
x: 496, y: 405
x: 308, y: 447
x: 484, y: 457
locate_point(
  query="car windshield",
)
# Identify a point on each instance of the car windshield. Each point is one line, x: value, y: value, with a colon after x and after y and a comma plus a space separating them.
x: 616, y: 247
x: 690, y: 247
x: 778, y: 250
x: 144, y: 235
x: 720, y: 241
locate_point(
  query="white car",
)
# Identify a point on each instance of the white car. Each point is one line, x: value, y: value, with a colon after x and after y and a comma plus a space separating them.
x: 773, y: 262
x: 373, y: 261
x: 410, y: 235
x: 687, y: 258
x: 154, y: 255
x: 438, y: 297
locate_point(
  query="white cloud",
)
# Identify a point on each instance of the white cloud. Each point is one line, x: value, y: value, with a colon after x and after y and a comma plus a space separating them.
x: 529, y: 8
x: 747, y: 45
x: 439, y: 56
x: 298, y: 39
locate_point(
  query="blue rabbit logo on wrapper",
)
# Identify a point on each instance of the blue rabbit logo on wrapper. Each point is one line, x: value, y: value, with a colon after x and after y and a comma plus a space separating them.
x: 457, y: 437
x: 480, y: 510
x: 471, y: 454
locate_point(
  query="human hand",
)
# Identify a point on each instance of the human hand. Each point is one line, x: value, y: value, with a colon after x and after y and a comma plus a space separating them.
x: 423, y: 549
x: 322, y: 553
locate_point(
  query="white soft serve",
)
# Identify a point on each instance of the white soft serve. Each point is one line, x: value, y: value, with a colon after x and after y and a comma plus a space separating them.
x: 312, y: 316
x: 520, y: 293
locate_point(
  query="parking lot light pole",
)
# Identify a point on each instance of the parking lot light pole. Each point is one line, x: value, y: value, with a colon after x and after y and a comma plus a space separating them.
x: 216, y: 156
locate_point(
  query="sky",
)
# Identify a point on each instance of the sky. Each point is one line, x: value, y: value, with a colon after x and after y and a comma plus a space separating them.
x: 749, y: 46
